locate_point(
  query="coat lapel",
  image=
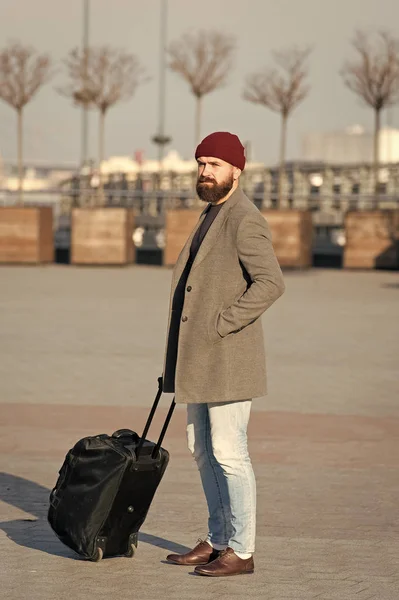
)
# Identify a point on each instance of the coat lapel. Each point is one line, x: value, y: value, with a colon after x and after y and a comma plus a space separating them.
x: 215, y: 228
x: 185, y: 253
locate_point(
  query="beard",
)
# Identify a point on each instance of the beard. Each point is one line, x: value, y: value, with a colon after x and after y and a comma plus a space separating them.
x: 210, y: 191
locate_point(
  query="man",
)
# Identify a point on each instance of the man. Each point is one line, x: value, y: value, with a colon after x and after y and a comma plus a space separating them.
x: 226, y: 276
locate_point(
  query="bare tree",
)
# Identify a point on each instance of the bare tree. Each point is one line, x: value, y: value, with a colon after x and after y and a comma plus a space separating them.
x: 374, y: 77
x: 281, y: 90
x: 101, y: 77
x: 80, y: 83
x: 22, y: 72
x: 204, y: 60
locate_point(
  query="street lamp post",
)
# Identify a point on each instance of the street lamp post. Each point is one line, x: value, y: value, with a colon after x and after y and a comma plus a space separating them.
x: 85, y: 109
x: 160, y: 139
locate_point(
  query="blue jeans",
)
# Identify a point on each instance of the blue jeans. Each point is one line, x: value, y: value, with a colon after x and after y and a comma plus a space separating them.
x: 217, y: 438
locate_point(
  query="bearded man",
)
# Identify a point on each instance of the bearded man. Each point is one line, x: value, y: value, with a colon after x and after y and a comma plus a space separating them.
x: 225, y: 278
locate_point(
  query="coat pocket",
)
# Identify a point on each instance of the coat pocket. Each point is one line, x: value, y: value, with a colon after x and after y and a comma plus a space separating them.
x: 213, y: 334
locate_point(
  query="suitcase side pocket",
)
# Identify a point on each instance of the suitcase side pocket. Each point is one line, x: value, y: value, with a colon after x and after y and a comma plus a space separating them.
x: 63, y: 478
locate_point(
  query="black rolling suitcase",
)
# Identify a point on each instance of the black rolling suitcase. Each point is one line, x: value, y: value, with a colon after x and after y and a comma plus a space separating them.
x: 105, y: 488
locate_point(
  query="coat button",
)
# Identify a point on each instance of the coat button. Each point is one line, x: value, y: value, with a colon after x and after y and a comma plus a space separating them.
x: 189, y: 288
x: 184, y: 319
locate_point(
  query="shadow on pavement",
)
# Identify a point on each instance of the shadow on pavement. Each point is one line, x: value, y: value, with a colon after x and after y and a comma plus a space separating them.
x: 162, y: 543
x: 392, y: 286
x: 35, y: 532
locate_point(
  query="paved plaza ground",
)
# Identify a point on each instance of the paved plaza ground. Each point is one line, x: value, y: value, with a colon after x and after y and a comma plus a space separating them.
x: 80, y: 353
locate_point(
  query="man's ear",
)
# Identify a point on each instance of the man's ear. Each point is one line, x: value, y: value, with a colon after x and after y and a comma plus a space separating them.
x: 236, y: 173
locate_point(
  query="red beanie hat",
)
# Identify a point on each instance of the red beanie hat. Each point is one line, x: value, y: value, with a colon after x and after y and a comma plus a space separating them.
x: 223, y: 145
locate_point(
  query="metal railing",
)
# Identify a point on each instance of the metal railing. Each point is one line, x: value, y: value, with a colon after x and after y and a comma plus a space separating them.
x: 155, y: 203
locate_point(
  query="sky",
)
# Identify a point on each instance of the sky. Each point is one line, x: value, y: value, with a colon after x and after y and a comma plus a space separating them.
x: 52, y: 123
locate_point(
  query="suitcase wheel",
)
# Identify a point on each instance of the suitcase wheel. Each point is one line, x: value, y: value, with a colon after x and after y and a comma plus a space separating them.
x: 99, y: 555
x: 131, y: 552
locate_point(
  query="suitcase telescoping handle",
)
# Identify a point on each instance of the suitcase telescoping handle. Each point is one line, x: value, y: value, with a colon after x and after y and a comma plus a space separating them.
x: 149, y: 421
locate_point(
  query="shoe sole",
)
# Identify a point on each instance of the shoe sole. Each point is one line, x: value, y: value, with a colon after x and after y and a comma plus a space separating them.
x: 172, y: 562
x: 226, y: 575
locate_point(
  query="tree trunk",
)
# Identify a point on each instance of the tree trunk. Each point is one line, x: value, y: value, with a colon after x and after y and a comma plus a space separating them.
x: 376, y: 157
x: 198, y: 112
x: 20, y: 157
x: 101, y: 131
x: 85, y: 135
x: 283, y: 143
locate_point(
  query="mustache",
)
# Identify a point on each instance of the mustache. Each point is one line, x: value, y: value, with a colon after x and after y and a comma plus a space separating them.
x: 205, y: 180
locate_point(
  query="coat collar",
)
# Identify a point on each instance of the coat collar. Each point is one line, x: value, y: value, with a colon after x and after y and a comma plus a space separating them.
x: 211, y: 235
x: 216, y: 227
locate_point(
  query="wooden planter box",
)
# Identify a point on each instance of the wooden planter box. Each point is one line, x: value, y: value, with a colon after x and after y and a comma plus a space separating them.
x: 292, y: 232
x: 102, y: 236
x: 26, y: 234
x: 372, y: 239
x: 292, y: 235
x: 178, y: 226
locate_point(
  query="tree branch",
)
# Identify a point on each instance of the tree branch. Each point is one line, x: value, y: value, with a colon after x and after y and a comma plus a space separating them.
x: 373, y: 74
x: 204, y: 60
x: 281, y: 89
x: 22, y: 73
x: 101, y: 77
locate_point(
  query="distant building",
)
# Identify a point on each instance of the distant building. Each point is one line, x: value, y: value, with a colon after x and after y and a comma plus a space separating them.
x: 349, y: 147
x: 37, y: 176
x: 172, y: 163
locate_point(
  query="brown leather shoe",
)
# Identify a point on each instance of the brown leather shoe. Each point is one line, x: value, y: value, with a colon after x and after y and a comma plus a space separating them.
x: 227, y: 564
x: 202, y: 554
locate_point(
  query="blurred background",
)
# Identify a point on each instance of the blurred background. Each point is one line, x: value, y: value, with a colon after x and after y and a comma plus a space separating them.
x: 103, y: 106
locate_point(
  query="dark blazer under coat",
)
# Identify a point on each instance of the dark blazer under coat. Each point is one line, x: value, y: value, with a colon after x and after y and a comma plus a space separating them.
x: 219, y: 342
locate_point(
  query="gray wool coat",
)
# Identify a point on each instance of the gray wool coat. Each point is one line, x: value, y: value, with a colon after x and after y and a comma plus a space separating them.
x: 235, y: 277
